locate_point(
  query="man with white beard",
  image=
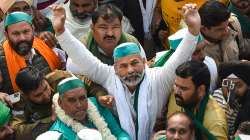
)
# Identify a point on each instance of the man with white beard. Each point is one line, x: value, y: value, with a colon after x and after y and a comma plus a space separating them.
x: 139, y: 92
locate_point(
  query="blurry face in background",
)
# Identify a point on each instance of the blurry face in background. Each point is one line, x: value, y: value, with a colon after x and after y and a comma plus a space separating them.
x: 216, y: 33
x: 199, y: 53
x: 42, y: 95
x: 107, y: 34
x: 21, y: 7
x: 20, y: 36
x: 243, y: 6
x: 82, y: 9
x: 239, y: 87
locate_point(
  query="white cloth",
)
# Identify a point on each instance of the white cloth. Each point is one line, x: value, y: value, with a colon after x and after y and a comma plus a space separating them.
x: 49, y: 135
x: 89, y: 134
x: 147, y: 13
x: 212, y: 67
x: 123, y: 107
x: 244, y: 137
x: 77, y: 28
x: 159, y: 80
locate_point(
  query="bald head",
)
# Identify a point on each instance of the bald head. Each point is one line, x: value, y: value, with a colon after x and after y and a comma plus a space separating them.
x: 179, y: 126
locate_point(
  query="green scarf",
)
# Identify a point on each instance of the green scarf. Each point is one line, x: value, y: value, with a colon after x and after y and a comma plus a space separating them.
x: 164, y: 58
x: 93, y: 48
x: 136, y: 107
x: 198, y: 119
x: 244, y: 21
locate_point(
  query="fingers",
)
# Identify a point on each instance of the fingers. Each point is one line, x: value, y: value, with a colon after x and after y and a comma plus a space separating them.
x: 189, y: 7
x: 3, y: 98
x: 49, y: 39
x: 106, y: 101
x: 55, y: 7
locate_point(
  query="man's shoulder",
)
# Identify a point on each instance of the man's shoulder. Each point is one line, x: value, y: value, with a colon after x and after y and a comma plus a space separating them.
x: 130, y: 38
x: 214, y: 113
x: 215, y: 119
x: 214, y: 109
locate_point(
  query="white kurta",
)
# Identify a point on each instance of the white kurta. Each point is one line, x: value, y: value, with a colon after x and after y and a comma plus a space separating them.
x: 160, y: 80
x: 212, y: 67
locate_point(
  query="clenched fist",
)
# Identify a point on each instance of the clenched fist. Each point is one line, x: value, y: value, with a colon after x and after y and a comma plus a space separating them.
x: 192, y: 18
x: 59, y: 16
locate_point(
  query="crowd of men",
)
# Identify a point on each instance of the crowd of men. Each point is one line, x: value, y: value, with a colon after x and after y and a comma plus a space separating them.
x: 125, y: 69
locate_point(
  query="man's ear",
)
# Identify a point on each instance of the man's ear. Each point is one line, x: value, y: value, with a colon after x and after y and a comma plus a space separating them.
x: 116, y: 69
x: 6, y: 34
x: 60, y: 101
x: 203, y: 29
x: 202, y: 91
x: 26, y: 96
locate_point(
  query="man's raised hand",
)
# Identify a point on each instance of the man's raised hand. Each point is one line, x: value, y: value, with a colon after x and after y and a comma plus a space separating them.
x: 59, y: 16
x: 192, y: 18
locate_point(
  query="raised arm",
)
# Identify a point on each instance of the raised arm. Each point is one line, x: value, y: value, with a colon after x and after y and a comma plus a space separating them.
x: 185, y: 48
x: 89, y: 65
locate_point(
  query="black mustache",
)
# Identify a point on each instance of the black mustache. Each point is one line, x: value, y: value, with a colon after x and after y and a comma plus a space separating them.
x: 177, y: 96
x: 24, y: 41
x: 109, y: 37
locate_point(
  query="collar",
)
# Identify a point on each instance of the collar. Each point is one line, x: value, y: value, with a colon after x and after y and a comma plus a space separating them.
x: 33, y: 53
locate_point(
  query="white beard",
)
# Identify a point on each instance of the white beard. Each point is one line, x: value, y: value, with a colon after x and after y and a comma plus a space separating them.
x: 135, y: 82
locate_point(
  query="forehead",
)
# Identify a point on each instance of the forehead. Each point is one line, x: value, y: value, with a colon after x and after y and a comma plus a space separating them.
x: 236, y: 80
x: 128, y: 59
x: 221, y: 26
x: 178, y: 121
x: 109, y: 21
x: 19, y: 5
x: 19, y: 26
x: 184, y: 81
x: 75, y: 93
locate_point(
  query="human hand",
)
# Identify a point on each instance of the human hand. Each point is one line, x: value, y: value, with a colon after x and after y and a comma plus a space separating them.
x: 59, y: 16
x: 106, y: 101
x: 48, y: 38
x: 192, y: 18
x: 163, y: 35
x: 3, y: 98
